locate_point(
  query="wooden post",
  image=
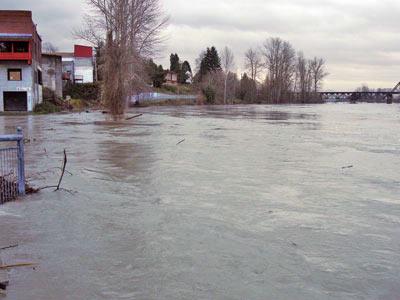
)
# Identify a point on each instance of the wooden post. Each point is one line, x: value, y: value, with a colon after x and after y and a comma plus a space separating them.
x: 21, y: 162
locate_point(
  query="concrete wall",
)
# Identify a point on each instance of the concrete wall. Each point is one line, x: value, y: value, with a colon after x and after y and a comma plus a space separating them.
x: 38, y: 88
x: 18, y: 86
x: 84, y: 68
x: 27, y: 84
x: 68, y: 67
x: 52, y: 73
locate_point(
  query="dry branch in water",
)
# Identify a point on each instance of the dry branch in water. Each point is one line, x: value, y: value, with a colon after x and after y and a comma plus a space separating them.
x: 3, y: 267
x: 347, y: 167
x: 180, y: 142
x: 8, y: 247
x: 130, y: 118
x: 63, y: 170
x: 58, y: 186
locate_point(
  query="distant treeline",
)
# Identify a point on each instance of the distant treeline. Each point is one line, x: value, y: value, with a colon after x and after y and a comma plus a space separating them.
x: 274, y: 73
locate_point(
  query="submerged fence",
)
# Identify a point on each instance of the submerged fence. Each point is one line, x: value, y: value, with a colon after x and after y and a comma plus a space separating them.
x: 154, y: 97
x: 12, y: 167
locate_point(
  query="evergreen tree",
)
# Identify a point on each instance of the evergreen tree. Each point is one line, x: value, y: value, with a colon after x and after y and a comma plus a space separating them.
x: 186, y: 66
x: 215, y: 60
x: 155, y: 73
x: 175, y: 65
x: 158, y: 77
x: 204, y: 64
x: 211, y: 62
x: 183, y: 74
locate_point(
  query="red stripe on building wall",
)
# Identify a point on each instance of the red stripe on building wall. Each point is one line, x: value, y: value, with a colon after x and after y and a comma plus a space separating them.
x: 83, y: 51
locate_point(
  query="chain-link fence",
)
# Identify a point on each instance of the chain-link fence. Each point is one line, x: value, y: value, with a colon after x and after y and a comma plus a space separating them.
x: 12, y: 169
x: 8, y: 174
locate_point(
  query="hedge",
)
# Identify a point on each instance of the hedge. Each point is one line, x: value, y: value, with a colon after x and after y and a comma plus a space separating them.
x: 85, y: 91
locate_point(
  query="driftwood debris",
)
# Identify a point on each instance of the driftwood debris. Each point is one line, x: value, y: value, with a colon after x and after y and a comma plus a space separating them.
x: 347, y: 167
x: 5, y: 267
x: 133, y: 117
x: 30, y: 190
x: 9, y: 247
x: 58, y: 186
x: 180, y: 142
x: 63, y: 170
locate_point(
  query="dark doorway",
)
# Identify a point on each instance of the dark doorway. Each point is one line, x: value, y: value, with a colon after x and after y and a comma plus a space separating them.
x: 15, y: 101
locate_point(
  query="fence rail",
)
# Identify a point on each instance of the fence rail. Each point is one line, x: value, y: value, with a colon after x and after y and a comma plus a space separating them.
x: 12, y: 167
x: 154, y: 97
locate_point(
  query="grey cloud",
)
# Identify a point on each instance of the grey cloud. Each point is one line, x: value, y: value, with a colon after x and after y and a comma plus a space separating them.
x: 55, y: 19
x: 358, y: 38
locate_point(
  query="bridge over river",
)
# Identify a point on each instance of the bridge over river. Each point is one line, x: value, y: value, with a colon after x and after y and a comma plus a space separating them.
x: 363, y: 95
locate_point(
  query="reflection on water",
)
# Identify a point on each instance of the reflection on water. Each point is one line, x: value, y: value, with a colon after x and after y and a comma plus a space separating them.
x: 254, y: 204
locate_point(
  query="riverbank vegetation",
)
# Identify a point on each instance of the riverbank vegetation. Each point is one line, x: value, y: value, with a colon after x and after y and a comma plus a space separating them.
x: 274, y: 73
x: 85, y: 91
x: 126, y: 32
x: 78, y: 97
x: 127, y: 36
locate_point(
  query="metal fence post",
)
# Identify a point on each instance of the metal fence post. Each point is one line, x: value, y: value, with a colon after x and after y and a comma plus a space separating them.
x: 21, y: 162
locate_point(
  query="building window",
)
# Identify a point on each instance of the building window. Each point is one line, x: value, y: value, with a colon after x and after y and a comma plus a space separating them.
x: 5, y: 47
x: 21, y: 47
x: 40, y: 79
x: 14, y: 74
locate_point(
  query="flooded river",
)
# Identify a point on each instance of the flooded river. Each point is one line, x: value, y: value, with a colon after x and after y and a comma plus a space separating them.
x: 255, y: 202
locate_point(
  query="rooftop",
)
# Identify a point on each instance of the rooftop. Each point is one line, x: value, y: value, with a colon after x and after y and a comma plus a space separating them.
x: 51, y: 54
x: 16, y: 22
x: 65, y: 54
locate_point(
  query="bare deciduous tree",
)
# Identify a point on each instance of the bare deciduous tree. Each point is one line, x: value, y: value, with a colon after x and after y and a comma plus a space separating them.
x: 303, y: 77
x: 318, y: 73
x: 227, y: 63
x: 131, y: 30
x: 279, y: 57
x: 253, y: 63
x: 92, y: 30
x: 49, y: 48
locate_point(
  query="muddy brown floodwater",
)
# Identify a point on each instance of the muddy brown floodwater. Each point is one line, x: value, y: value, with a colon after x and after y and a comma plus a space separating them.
x: 253, y: 204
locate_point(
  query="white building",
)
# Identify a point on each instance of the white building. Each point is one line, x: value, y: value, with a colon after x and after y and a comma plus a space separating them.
x: 78, y: 67
x: 20, y: 62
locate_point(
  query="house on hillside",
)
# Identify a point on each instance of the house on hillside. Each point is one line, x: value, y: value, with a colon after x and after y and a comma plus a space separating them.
x: 52, y: 72
x: 171, y: 78
x: 20, y: 62
x: 78, y: 66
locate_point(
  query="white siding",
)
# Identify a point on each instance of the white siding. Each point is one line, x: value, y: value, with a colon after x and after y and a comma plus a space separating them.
x: 85, y: 72
x: 26, y: 84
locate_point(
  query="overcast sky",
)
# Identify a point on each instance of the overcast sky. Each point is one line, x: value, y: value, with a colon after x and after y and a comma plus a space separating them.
x: 358, y: 38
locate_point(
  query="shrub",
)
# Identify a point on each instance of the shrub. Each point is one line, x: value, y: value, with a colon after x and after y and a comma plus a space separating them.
x: 78, y: 104
x: 50, y: 96
x: 46, y: 107
x: 209, y: 93
x: 86, y: 91
x: 170, y: 88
